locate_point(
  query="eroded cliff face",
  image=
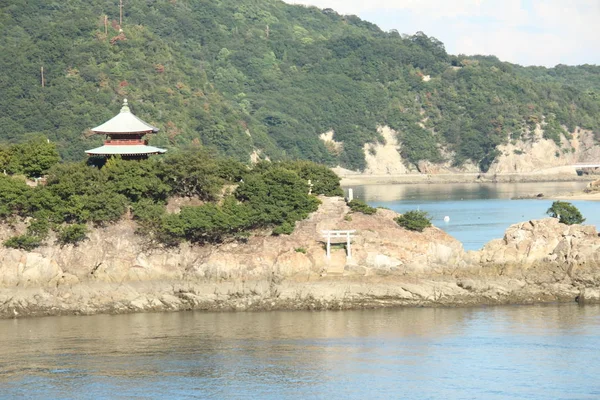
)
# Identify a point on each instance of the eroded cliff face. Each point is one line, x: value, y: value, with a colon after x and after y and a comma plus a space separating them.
x: 544, y: 156
x: 535, y: 155
x: 118, y: 271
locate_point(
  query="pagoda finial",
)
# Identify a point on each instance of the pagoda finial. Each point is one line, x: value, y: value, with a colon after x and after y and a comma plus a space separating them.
x: 125, y: 107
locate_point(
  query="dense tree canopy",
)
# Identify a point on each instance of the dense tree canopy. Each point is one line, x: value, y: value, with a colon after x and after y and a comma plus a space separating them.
x: 239, y: 76
x: 235, y: 199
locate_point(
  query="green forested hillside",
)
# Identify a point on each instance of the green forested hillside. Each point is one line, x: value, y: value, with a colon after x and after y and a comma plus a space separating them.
x: 240, y: 75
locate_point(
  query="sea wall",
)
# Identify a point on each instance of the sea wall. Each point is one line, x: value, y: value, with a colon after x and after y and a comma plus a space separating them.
x: 118, y: 271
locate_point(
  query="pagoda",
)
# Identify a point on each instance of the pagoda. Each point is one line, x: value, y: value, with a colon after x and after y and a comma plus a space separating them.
x: 125, y: 137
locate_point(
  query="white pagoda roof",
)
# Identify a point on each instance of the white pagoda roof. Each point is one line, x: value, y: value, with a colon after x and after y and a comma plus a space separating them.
x: 125, y: 150
x: 125, y: 122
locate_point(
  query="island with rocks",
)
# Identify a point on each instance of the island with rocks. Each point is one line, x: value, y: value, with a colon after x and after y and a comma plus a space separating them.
x: 115, y: 271
x: 190, y: 230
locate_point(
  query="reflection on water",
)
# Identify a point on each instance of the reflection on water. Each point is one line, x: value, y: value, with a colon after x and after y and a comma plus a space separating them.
x: 503, y: 352
x: 477, y: 213
x: 462, y: 191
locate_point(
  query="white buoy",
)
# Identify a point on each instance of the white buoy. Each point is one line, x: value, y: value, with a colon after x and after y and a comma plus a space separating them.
x: 446, y: 219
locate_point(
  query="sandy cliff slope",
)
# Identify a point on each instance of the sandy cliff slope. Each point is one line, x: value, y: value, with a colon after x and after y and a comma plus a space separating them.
x: 532, y: 159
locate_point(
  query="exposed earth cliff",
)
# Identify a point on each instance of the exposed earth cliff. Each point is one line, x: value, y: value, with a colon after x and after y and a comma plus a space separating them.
x: 115, y: 271
x: 534, y: 158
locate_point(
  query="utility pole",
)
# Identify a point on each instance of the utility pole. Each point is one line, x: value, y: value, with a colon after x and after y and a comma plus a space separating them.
x: 268, y: 31
x: 106, y: 25
x: 121, y: 13
x: 43, y: 81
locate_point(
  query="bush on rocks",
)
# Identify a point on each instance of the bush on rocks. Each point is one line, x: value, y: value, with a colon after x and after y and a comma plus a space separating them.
x: 72, y: 234
x: 566, y: 213
x: 414, y: 220
x: 362, y: 207
x: 23, y: 242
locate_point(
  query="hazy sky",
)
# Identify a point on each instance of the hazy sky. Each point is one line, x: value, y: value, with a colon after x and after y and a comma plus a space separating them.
x: 527, y: 32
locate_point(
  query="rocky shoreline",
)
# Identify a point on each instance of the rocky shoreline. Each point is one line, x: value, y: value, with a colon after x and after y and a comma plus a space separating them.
x: 323, y: 295
x: 117, y: 271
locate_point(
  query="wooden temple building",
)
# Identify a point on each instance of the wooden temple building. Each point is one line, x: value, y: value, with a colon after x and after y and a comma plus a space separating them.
x: 125, y: 137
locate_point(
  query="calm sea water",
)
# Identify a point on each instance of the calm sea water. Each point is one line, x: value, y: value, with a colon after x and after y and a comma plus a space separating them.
x: 520, y: 352
x: 478, y: 212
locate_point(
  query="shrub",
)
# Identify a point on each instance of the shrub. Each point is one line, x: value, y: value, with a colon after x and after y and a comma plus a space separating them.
x: 13, y: 195
x: 24, y: 242
x: 362, y: 207
x: 275, y: 197
x: 566, y: 213
x: 300, y: 250
x: 38, y: 228
x: 148, y: 214
x: 414, y: 220
x: 285, y: 228
x: 33, y: 157
x: 135, y: 180
x: 72, y: 234
x: 194, y: 172
x: 324, y: 181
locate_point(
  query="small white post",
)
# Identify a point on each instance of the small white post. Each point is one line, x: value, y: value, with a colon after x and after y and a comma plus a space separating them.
x: 348, y: 245
x: 328, y: 244
x: 350, y: 195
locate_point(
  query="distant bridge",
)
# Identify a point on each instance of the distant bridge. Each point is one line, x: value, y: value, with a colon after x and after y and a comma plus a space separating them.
x: 586, y: 165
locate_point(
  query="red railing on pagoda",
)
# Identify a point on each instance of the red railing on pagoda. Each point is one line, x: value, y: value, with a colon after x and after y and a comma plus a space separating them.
x: 118, y: 142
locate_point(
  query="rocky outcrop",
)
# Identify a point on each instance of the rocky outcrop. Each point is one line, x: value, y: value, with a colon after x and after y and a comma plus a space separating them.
x: 118, y: 271
x: 593, y: 187
x: 535, y: 156
x: 544, y: 253
x: 384, y: 158
x: 544, y: 156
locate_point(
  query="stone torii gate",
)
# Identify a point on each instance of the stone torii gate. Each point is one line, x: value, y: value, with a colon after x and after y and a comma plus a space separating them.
x: 328, y: 235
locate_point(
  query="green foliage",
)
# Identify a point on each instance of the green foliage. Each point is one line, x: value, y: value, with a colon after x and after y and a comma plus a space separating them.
x: 231, y: 170
x: 32, y: 158
x: 276, y: 196
x: 196, y: 173
x: 414, y: 220
x: 135, y: 179
x: 300, y: 250
x: 566, y: 212
x: 419, y: 144
x: 38, y: 228
x: 209, y: 223
x: 72, y: 234
x: 286, y: 228
x: 13, y: 195
x: 207, y: 73
x: 23, y: 242
x: 323, y: 180
x: 147, y: 211
x: 41, y: 203
x: 553, y: 130
x: 357, y: 205
x: 101, y: 208
x: 270, y: 196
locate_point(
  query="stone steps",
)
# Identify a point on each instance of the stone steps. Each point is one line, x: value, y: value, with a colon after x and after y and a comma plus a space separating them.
x: 337, y: 263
